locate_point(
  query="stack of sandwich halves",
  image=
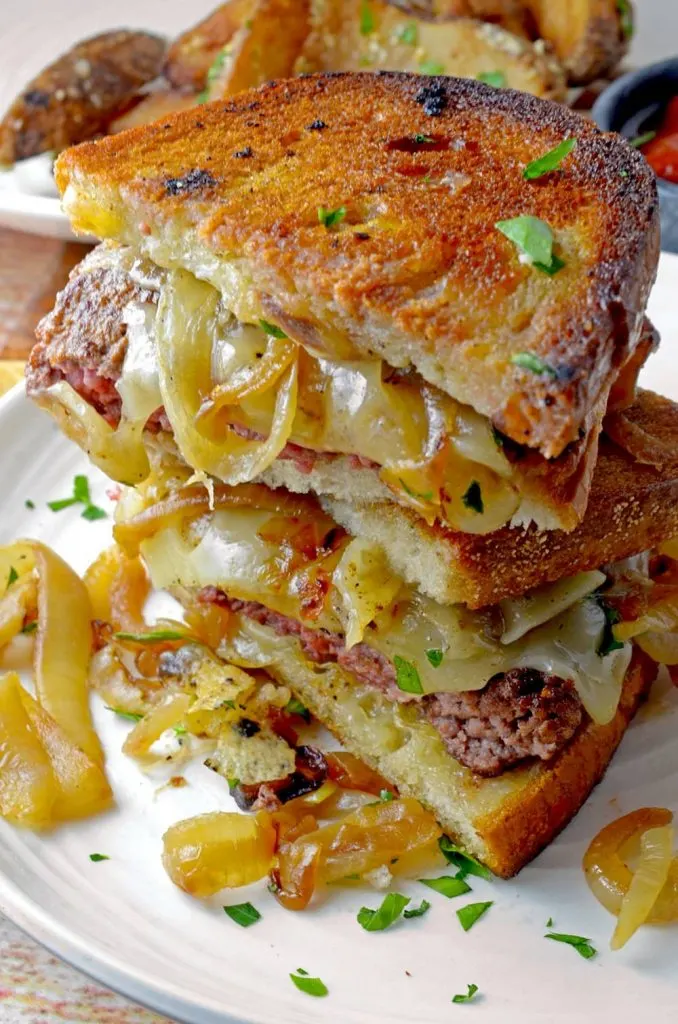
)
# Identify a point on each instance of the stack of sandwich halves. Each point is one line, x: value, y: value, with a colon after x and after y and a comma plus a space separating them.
x: 364, y: 349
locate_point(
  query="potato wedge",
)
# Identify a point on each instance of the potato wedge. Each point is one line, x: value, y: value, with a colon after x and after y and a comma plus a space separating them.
x: 28, y: 787
x: 83, y: 789
x: 266, y: 47
x: 371, y: 35
x: 193, y: 53
x: 77, y: 96
x: 152, y: 107
x: 510, y: 14
x: 589, y: 36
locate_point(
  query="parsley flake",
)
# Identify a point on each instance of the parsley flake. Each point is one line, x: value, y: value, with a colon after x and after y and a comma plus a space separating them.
x: 435, y: 657
x: 471, y: 913
x: 13, y: 576
x: 155, y: 637
x: 427, y: 496
x: 549, y: 923
x: 494, y: 78
x: 534, y: 238
x: 419, y: 911
x: 131, y: 716
x: 30, y: 627
x: 422, y: 139
x: 447, y: 885
x: 473, y: 498
x: 642, y: 140
x: 329, y: 218
x: 407, y: 677
x: 466, y: 864
x: 97, y: 857
x: 93, y: 512
x: 366, y: 19
x: 550, y: 161
x: 29, y: 504
x: 470, y: 992
x: 608, y: 642
x: 311, y: 986
x: 625, y: 18
x: 431, y: 67
x: 384, y: 916
x: 578, y: 942
x: 243, y: 914
x: 295, y: 707
x: 408, y: 34
x: 530, y: 361
x: 272, y: 329
x: 81, y: 496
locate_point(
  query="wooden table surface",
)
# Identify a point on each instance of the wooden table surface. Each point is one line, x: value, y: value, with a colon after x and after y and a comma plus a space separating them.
x: 36, y: 988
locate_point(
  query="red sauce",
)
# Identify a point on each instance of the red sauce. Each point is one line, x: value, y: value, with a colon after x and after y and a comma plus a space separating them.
x: 662, y: 152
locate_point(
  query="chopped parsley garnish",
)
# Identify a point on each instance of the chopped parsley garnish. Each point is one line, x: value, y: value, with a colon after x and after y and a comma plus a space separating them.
x: 179, y: 730
x: 229, y: 704
x: 473, y: 498
x: 435, y: 657
x: 233, y: 784
x: 530, y: 361
x: 419, y: 911
x: 471, y: 913
x: 311, y: 986
x: 243, y: 914
x: 447, y: 885
x: 272, y: 329
x: 384, y: 916
x: 29, y: 504
x: 582, y: 945
x: 13, y: 576
x: 408, y: 34
x: 81, y: 496
x: 329, y: 218
x: 534, y: 238
x: 407, y: 677
x: 30, y: 627
x: 549, y: 923
x: 131, y: 716
x: 550, y: 161
x: 431, y: 67
x: 427, y: 496
x: 97, y: 857
x: 608, y: 641
x: 625, y: 18
x: 385, y: 796
x: 467, y: 864
x: 422, y: 139
x: 495, y: 78
x: 155, y: 637
x: 295, y: 707
x: 642, y: 140
x: 366, y: 19
x: 471, y: 991
x: 623, y: 173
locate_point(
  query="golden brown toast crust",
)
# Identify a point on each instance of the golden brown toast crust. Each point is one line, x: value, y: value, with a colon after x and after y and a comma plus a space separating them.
x: 533, y: 816
x: 433, y: 282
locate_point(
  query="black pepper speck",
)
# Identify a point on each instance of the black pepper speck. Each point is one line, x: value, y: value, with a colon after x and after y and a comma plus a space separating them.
x: 243, y: 154
x: 432, y: 98
x: 316, y: 126
x: 192, y: 181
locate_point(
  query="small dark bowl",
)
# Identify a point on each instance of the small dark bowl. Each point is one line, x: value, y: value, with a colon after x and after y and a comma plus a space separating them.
x: 635, y: 104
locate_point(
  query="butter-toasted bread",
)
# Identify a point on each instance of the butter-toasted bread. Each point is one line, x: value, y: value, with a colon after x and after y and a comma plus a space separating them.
x: 416, y: 270
x: 633, y: 506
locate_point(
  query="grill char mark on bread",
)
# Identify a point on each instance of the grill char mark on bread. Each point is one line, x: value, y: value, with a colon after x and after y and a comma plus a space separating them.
x: 435, y: 283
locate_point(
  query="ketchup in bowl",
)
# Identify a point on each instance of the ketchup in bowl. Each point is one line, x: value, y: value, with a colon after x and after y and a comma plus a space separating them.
x: 661, y: 152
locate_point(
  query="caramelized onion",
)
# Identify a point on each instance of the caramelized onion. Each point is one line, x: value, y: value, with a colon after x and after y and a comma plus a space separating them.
x: 151, y: 727
x: 352, y: 773
x: 251, y: 379
x: 649, y: 878
x: 118, y: 587
x: 366, y: 585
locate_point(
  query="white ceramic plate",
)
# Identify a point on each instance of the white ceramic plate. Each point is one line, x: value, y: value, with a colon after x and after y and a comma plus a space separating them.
x: 34, y: 32
x: 123, y: 922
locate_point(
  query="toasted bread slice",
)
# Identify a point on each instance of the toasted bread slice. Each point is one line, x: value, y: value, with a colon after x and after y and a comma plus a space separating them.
x: 503, y: 821
x: 416, y: 270
x: 351, y: 35
x: 633, y: 506
x: 589, y: 36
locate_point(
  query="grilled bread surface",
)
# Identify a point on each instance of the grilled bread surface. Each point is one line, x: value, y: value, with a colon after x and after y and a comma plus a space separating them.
x: 413, y: 268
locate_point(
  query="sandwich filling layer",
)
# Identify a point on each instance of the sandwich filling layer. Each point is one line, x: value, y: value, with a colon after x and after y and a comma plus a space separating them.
x: 510, y: 682
x: 131, y: 349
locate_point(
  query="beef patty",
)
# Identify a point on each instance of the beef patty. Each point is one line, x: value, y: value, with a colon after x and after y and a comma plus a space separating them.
x: 518, y: 715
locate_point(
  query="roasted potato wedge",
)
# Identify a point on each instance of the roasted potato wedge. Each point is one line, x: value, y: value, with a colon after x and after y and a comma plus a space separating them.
x: 77, y: 96
x: 589, y: 36
x: 371, y: 34
x: 190, y: 57
x: 266, y: 47
x: 152, y: 107
x: 510, y: 14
